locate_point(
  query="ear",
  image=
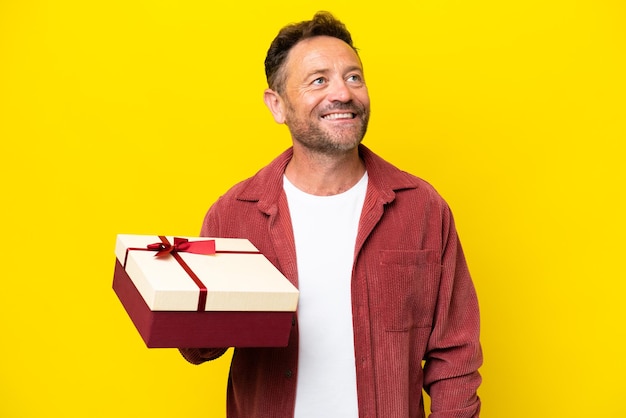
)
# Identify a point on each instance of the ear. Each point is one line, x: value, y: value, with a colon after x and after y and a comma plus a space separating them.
x: 274, y: 103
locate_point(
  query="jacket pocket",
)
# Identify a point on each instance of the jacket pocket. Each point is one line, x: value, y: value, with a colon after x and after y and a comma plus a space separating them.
x: 404, y: 287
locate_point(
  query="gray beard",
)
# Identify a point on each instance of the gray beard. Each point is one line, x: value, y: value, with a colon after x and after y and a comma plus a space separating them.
x: 318, y: 141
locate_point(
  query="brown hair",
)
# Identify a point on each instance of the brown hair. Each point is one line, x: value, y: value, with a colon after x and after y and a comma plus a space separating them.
x: 322, y: 24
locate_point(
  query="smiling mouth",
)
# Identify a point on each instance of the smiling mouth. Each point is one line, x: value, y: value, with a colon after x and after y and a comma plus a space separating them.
x: 335, y: 116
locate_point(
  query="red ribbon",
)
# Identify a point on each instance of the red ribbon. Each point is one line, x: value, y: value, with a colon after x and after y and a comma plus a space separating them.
x: 206, y: 247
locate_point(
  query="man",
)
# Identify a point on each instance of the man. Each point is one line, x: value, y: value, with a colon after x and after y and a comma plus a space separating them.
x: 387, y: 306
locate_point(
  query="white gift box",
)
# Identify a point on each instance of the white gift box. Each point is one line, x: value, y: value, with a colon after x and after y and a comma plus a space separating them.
x: 233, y: 297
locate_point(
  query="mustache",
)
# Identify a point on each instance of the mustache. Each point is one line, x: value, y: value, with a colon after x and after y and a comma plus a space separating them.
x: 346, y: 107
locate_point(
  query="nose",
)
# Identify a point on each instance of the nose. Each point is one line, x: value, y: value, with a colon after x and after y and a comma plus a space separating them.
x: 339, y: 92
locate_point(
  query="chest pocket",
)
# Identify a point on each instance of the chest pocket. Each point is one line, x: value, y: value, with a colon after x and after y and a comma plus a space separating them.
x: 404, y: 287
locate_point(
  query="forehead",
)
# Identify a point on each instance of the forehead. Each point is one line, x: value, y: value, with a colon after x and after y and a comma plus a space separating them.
x: 321, y: 53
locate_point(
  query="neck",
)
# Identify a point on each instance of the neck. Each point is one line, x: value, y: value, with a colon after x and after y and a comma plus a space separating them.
x: 323, y: 174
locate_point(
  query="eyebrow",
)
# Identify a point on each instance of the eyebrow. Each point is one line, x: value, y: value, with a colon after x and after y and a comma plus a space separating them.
x: 327, y: 70
x: 316, y: 72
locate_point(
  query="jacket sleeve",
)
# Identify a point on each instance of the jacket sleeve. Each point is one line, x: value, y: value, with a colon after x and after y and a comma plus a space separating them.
x: 200, y: 355
x: 454, y: 354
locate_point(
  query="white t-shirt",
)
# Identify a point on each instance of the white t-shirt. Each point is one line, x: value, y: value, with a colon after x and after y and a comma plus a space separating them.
x: 325, y: 229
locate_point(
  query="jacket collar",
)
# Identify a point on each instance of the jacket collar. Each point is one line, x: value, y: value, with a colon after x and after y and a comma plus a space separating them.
x: 267, y: 185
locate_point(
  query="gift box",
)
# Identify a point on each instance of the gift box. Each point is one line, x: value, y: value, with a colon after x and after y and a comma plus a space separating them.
x: 186, y: 292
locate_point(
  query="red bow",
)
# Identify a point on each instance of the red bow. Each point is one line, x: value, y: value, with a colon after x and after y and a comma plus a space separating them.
x: 183, y: 245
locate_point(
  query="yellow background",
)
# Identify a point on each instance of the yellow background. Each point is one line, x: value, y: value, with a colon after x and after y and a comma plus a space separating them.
x: 127, y: 116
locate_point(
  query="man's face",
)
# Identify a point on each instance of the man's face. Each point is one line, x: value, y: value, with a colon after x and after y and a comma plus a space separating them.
x: 326, y: 103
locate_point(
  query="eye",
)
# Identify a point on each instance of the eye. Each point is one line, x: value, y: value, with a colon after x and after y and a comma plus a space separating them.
x: 355, y: 78
x: 319, y: 81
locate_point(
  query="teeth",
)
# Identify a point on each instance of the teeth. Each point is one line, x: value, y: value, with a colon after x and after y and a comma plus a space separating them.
x: 339, y: 116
